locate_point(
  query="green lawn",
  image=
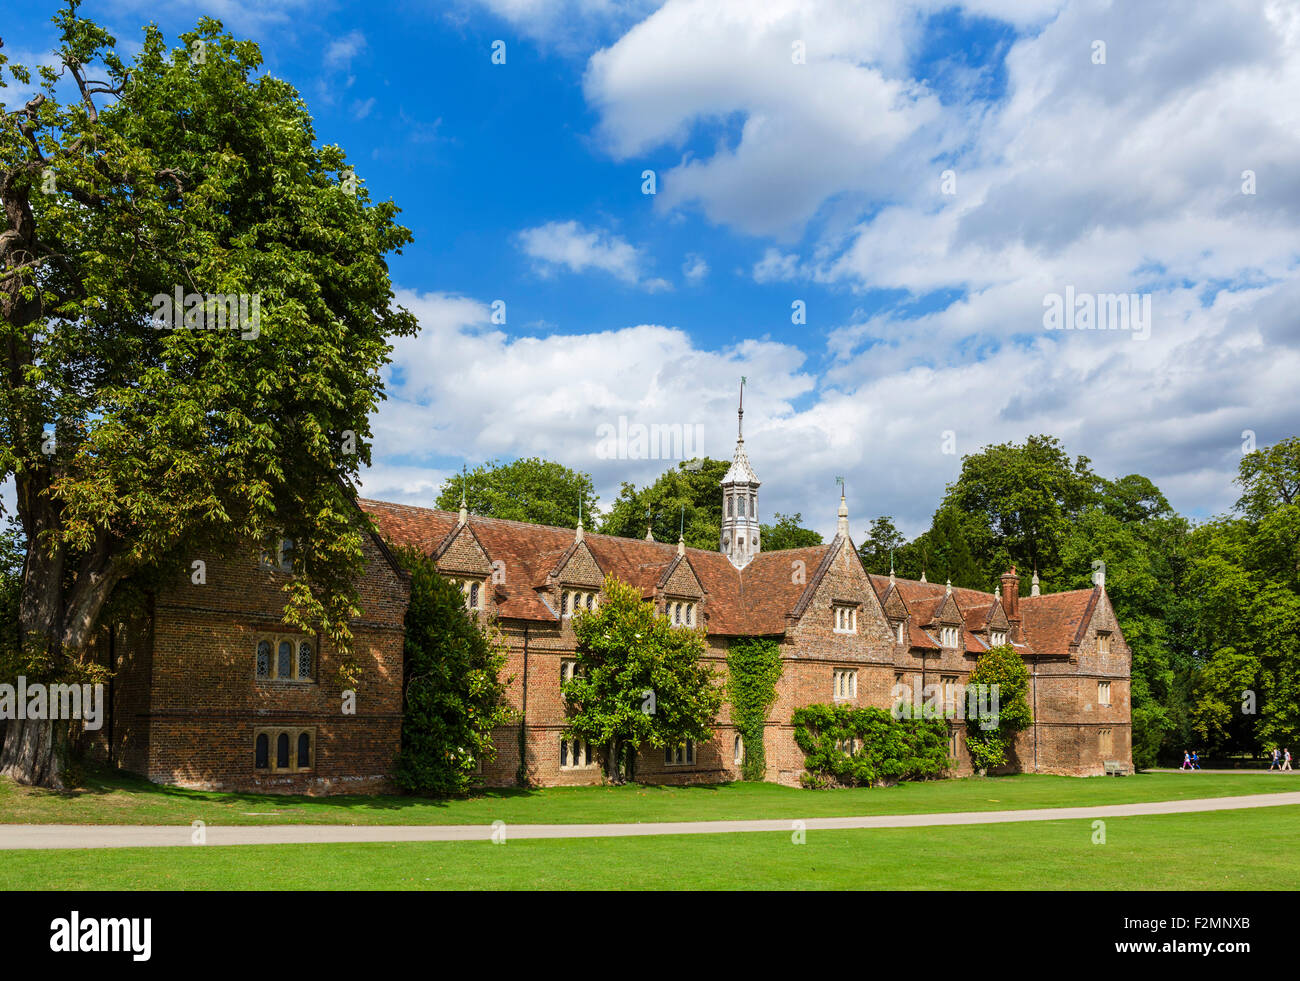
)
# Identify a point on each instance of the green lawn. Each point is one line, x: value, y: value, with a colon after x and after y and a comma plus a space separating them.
x: 1213, y: 850
x: 123, y: 799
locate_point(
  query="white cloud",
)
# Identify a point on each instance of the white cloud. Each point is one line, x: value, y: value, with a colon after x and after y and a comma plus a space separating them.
x: 695, y: 268
x: 568, y: 245
x: 341, y: 51
x: 776, y: 266
x: 464, y: 388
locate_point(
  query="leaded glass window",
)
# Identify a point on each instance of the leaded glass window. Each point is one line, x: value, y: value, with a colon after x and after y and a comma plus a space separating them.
x: 304, y: 660
x: 284, y: 660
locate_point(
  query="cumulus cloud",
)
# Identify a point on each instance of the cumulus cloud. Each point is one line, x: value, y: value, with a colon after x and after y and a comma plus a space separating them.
x: 571, y: 246
x: 1125, y: 177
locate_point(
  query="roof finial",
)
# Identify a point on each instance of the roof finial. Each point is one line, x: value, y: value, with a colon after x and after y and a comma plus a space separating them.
x: 740, y: 413
x: 891, y: 566
x: 649, y: 525
x: 681, y: 532
x: 578, y: 537
x: 842, y: 527
x: 464, y: 511
x: 948, y: 589
x: 923, y: 579
x: 1033, y: 583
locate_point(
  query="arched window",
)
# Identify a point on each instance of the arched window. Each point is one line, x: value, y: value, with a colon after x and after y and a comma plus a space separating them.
x: 690, y: 614
x: 304, y: 751
x: 591, y: 599
x: 282, y: 751
x: 739, y: 750
x: 263, y: 752
x: 284, y: 660
x: 752, y: 506
x: 564, y: 604
x: 304, y: 660
x: 677, y: 614
x: 473, y: 596
x: 731, y: 506
x: 264, y: 659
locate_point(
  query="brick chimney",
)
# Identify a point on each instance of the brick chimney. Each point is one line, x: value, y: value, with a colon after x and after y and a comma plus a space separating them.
x: 1011, y: 600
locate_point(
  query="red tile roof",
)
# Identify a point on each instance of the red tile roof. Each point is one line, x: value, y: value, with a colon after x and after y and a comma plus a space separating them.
x: 756, y: 600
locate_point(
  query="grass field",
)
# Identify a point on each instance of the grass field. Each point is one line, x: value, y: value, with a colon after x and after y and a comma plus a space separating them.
x: 1250, y: 849
x: 125, y: 799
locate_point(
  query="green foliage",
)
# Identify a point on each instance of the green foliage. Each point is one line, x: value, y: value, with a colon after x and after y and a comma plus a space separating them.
x: 1004, y: 668
x: 534, y: 490
x: 173, y: 172
x: 889, y: 749
x: 882, y: 544
x: 693, y: 487
x: 786, y: 532
x: 639, y: 681
x: 454, y: 695
x: 754, y: 668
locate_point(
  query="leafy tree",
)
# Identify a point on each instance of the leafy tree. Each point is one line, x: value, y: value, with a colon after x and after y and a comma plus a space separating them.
x: 534, y: 490
x: 1270, y: 478
x: 639, y: 682
x: 453, y: 693
x: 1004, y: 668
x: 786, y: 532
x: 881, y: 546
x: 949, y: 554
x: 134, y: 448
x: 754, y: 668
x: 687, y: 497
x: 1020, y: 500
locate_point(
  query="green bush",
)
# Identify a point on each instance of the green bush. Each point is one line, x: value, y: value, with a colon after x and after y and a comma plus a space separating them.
x: 887, y: 749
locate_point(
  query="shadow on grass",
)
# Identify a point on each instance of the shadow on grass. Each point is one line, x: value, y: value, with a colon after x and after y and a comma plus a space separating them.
x: 100, y: 780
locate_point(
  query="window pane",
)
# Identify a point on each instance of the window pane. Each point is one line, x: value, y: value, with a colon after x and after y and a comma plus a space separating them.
x: 564, y: 752
x: 304, y: 750
x: 564, y: 604
x: 282, y: 751
x: 264, y: 659
x: 304, y: 660
x: 591, y: 598
x: 284, y: 667
x: 473, y: 596
x: 263, y: 752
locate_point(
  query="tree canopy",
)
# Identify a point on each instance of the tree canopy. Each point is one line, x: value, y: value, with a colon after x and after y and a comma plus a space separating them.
x: 137, y: 441
x: 532, y: 489
x: 686, y: 497
x: 640, y: 681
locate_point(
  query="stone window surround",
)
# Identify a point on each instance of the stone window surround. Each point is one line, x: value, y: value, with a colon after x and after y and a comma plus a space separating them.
x: 272, y: 734
x: 274, y: 639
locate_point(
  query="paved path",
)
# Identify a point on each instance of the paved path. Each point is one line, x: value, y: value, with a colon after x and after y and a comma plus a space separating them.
x: 140, y: 836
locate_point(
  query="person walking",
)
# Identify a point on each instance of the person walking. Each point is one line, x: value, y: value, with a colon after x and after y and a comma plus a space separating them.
x: 1187, y: 761
x: 1286, y: 759
x: 1196, y: 761
x: 1277, y: 760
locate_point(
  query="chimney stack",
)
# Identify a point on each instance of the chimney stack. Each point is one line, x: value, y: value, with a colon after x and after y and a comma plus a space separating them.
x: 1011, y: 600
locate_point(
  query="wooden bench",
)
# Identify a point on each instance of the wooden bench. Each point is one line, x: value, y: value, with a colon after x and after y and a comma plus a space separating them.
x: 1114, y: 768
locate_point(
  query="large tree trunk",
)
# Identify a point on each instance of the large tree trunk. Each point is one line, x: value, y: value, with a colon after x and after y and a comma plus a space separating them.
x: 31, y: 753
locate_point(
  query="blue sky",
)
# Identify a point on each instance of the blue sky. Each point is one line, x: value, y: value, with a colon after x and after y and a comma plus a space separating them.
x: 818, y: 182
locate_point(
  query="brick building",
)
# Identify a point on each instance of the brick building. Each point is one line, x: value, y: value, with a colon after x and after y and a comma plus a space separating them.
x: 212, y: 691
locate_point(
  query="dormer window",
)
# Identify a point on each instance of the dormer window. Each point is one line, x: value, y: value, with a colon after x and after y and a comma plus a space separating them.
x: 997, y: 637
x: 846, y: 618
x: 575, y: 601
x: 473, y: 592
x: 948, y: 636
